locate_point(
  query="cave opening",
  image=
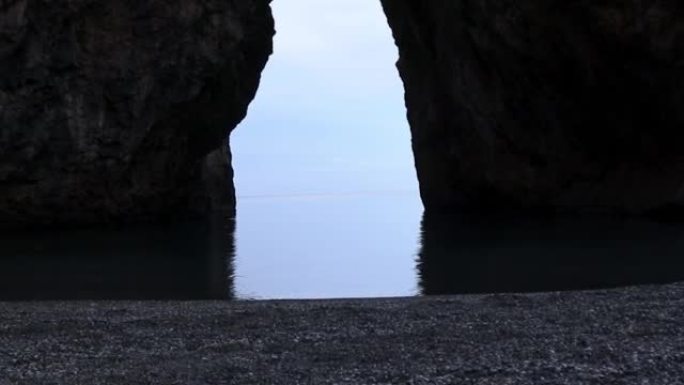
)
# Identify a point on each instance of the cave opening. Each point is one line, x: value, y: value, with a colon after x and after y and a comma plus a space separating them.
x: 327, y: 196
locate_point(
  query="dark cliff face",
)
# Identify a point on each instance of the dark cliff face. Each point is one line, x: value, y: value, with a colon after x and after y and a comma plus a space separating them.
x: 550, y: 104
x: 120, y: 110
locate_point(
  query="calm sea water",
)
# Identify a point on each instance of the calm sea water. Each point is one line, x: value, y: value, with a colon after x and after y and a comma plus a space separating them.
x: 357, y: 245
x: 332, y: 246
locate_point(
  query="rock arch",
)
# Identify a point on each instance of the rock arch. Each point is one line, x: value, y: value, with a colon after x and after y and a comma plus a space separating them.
x: 119, y: 110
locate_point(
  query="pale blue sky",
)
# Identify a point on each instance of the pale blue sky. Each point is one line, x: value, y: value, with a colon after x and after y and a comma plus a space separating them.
x: 329, y: 115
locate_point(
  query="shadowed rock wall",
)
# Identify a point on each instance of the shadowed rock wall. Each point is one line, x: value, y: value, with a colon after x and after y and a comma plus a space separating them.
x: 544, y: 104
x: 120, y: 110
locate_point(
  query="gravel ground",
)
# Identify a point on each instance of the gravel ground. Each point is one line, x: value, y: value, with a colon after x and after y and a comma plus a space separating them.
x: 623, y: 336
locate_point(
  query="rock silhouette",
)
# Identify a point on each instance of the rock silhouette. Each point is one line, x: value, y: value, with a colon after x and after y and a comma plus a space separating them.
x: 541, y: 105
x: 120, y: 110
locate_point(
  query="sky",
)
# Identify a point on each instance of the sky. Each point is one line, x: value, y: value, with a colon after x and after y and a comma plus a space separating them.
x: 329, y: 115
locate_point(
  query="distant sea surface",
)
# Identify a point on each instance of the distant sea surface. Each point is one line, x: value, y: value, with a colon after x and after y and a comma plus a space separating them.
x: 338, y: 246
x: 322, y: 246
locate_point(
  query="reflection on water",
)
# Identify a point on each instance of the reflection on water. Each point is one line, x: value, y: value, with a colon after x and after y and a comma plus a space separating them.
x: 467, y: 255
x: 181, y: 261
x: 338, y: 246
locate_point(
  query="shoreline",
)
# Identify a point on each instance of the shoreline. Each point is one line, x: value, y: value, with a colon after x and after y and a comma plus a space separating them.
x: 625, y: 335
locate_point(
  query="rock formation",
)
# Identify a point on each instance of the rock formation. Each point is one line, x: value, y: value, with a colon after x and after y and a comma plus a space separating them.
x: 544, y: 104
x: 120, y: 110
